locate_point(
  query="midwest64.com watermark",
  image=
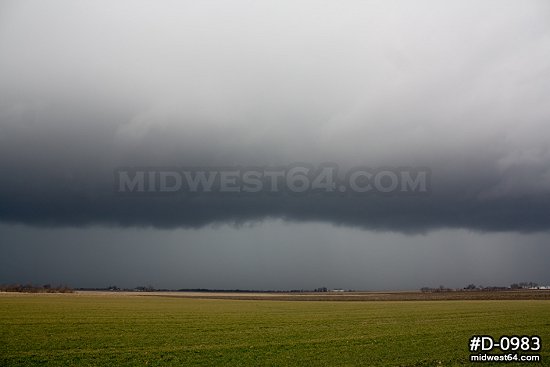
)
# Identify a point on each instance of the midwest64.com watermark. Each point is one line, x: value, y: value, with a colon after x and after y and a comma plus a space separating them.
x: 513, y: 348
x: 295, y: 179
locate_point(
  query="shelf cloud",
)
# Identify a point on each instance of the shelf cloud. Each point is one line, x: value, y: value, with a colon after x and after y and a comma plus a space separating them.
x: 85, y: 90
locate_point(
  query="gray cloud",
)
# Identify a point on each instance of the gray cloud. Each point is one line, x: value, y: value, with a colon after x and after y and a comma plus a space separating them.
x: 270, y: 255
x: 460, y: 88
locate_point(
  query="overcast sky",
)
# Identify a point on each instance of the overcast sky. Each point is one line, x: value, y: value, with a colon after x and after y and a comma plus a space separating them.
x: 460, y: 88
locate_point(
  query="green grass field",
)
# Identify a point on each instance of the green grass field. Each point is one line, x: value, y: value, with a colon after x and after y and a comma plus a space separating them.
x: 91, y: 330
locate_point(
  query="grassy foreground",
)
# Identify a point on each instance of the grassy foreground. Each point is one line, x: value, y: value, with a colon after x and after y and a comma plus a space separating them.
x: 91, y: 330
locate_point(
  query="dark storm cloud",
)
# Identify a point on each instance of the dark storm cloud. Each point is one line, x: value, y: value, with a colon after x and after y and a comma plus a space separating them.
x: 460, y: 88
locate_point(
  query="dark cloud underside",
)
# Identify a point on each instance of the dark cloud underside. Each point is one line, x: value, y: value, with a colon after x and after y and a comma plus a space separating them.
x: 459, y: 87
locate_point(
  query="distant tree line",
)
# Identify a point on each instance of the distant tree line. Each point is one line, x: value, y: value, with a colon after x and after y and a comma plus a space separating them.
x: 29, y: 288
x: 441, y: 288
x: 473, y: 287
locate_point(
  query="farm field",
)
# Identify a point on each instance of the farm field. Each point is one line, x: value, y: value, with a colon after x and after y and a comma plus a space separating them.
x: 125, y: 329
